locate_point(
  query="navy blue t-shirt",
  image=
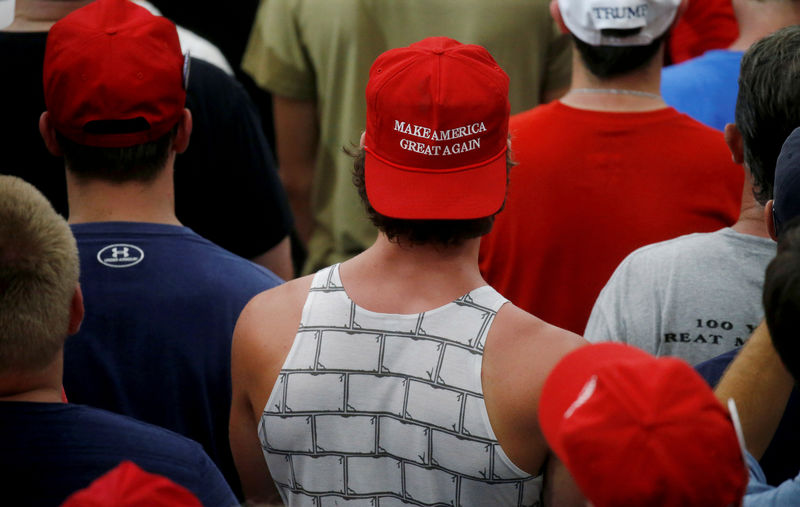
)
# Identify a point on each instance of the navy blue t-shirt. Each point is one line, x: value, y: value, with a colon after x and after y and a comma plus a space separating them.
x: 155, y: 344
x: 781, y: 460
x: 50, y: 450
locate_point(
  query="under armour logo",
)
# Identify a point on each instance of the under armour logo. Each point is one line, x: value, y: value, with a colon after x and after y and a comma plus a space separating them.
x: 116, y: 252
x: 120, y: 255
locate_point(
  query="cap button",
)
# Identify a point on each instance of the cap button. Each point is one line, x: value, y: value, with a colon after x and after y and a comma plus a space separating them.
x: 438, y: 51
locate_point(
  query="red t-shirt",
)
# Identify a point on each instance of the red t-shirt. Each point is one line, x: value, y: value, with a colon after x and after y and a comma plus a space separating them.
x: 706, y: 24
x: 590, y: 188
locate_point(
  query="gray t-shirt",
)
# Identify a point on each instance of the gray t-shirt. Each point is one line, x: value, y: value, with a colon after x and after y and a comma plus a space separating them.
x: 694, y: 297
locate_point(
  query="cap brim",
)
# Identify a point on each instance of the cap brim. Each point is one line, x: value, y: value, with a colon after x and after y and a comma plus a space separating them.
x: 455, y: 194
x: 569, y: 377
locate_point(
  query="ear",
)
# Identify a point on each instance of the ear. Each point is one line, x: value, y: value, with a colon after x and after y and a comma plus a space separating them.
x: 734, y: 140
x: 76, y: 311
x: 769, y: 219
x: 181, y: 140
x: 361, y: 142
x: 48, y: 133
x: 555, y: 12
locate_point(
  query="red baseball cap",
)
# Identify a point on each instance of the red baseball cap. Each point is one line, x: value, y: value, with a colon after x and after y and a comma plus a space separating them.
x: 113, y: 75
x: 637, y: 430
x: 127, y: 485
x: 437, y: 132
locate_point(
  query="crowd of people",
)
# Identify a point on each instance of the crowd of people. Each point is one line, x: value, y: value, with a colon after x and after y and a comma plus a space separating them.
x: 512, y: 253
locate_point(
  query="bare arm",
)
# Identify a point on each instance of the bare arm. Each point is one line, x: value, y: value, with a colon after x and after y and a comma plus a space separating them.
x: 520, y: 352
x: 261, y: 341
x: 297, y: 139
x: 760, y: 385
x: 245, y: 446
x: 278, y: 259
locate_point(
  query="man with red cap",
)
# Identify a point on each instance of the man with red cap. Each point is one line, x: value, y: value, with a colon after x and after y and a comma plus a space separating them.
x: 162, y: 301
x: 399, y: 376
x: 606, y: 169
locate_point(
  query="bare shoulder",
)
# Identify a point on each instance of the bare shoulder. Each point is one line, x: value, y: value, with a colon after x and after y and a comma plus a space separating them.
x: 264, y: 335
x: 269, y: 321
x: 521, y: 350
x: 279, y: 300
x: 517, y: 329
x: 526, y: 348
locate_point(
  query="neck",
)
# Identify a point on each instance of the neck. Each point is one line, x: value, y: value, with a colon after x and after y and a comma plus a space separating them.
x: 40, y: 386
x: 645, y: 82
x: 751, y: 217
x: 92, y: 200
x: 412, y: 278
x: 40, y: 15
x: 759, y: 19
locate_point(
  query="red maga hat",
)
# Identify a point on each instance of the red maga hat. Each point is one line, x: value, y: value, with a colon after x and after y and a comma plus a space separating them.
x: 113, y: 75
x: 437, y: 131
x: 637, y: 430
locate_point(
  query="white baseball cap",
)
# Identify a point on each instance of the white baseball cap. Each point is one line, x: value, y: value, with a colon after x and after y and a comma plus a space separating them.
x: 6, y: 13
x: 586, y: 19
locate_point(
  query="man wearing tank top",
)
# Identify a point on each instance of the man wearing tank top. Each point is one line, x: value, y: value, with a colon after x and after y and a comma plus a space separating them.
x: 399, y: 377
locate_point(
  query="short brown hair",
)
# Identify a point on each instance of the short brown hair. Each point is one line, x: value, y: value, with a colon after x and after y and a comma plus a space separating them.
x: 140, y: 163
x: 422, y: 232
x: 768, y: 104
x: 38, y: 275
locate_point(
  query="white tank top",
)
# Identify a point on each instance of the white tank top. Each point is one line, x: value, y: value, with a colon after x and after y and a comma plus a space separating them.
x: 377, y: 410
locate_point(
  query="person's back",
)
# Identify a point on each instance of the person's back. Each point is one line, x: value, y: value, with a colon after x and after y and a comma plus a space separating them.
x: 318, y: 88
x: 163, y: 300
x: 603, y: 171
x: 766, y: 112
x: 51, y: 449
x: 227, y: 189
x: 399, y: 375
x: 666, y: 298
x: 164, y: 303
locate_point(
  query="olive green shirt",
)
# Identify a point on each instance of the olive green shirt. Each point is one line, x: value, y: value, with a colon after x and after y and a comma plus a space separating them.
x: 321, y: 51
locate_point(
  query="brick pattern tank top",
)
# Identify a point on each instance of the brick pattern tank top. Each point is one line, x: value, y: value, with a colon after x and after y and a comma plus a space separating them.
x: 379, y: 410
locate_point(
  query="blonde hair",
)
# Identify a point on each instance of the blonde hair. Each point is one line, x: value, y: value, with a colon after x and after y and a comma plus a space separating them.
x: 38, y: 275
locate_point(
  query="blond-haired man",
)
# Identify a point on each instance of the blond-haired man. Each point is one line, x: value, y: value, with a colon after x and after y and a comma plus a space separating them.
x: 51, y: 449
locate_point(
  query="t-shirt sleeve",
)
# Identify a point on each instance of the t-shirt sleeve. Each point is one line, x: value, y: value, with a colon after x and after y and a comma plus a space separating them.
x: 623, y: 309
x: 275, y: 56
x: 605, y: 322
x: 559, y: 61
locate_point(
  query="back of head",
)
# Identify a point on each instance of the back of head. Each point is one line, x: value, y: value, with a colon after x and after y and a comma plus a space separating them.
x: 114, y: 86
x: 434, y: 164
x: 616, y: 37
x: 637, y: 430
x: 781, y: 297
x: 768, y: 105
x: 786, y: 189
x: 38, y: 276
